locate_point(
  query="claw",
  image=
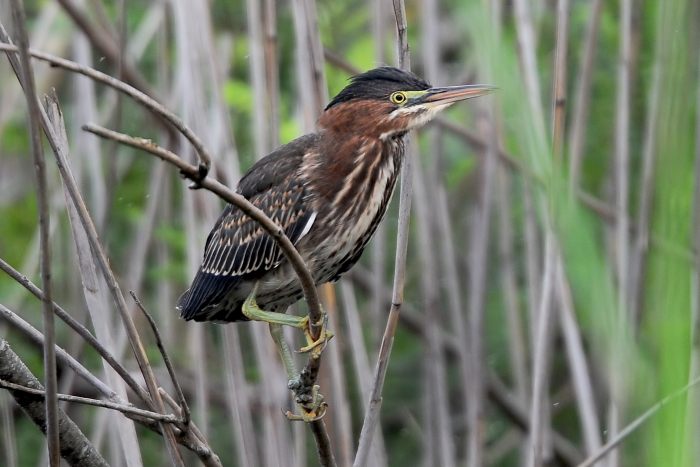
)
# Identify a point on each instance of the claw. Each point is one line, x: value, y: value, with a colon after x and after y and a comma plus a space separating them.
x: 312, y: 410
x: 324, y: 336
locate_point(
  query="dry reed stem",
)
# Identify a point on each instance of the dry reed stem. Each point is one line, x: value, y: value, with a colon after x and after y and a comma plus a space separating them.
x: 578, y: 366
x: 341, y: 417
x: 237, y: 395
x: 258, y: 81
x: 579, y: 119
x: 439, y: 435
x: 372, y: 412
x: 361, y: 358
x: 622, y: 241
x: 478, y: 257
x: 98, y: 304
x: 26, y: 78
x: 8, y: 430
x: 539, y: 412
x: 271, y: 72
x: 132, y: 333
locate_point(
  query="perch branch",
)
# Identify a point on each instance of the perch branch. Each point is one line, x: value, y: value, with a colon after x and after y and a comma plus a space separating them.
x: 231, y: 197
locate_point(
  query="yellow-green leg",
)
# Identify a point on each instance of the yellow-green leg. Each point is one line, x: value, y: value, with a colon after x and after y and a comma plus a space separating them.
x: 311, y: 407
x: 252, y: 311
x: 278, y: 336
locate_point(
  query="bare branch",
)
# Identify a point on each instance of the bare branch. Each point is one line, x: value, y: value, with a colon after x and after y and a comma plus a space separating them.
x: 75, y: 448
x: 126, y: 409
x: 184, y: 408
x: 83, y: 332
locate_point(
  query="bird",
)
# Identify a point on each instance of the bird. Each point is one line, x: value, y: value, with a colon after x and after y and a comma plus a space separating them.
x: 328, y: 190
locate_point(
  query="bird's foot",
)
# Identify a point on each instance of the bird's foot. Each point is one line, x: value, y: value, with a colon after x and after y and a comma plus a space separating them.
x: 252, y: 311
x: 318, y: 345
x: 312, y: 406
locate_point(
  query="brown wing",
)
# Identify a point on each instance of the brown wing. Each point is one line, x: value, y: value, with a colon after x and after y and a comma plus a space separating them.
x: 237, y: 246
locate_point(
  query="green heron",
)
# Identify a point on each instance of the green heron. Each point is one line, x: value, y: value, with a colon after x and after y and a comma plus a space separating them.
x: 328, y: 190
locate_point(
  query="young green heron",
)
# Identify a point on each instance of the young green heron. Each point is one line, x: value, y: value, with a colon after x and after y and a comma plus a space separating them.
x: 328, y: 190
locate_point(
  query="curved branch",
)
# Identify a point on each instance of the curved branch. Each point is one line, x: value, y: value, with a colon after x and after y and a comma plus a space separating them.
x: 191, y: 172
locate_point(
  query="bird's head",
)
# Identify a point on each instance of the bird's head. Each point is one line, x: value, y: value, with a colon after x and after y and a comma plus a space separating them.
x: 389, y: 102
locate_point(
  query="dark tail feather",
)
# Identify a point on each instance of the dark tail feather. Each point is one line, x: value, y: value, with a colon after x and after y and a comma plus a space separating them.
x: 207, y: 290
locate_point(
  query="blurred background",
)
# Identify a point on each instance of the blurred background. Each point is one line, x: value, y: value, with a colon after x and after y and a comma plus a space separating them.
x: 552, y: 279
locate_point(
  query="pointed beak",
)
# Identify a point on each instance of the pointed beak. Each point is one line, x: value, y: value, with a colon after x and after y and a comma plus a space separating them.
x: 435, y: 97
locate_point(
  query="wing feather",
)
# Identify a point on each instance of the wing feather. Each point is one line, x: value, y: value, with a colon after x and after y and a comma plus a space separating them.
x: 237, y: 246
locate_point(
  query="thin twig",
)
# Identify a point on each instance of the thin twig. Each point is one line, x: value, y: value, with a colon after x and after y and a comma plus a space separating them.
x: 632, y: 427
x: 26, y: 78
x: 82, y: 331
x: 171, y: 371
x: 126, y: 409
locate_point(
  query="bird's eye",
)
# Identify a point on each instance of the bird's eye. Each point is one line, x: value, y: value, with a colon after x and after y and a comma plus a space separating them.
x: 398, y: 98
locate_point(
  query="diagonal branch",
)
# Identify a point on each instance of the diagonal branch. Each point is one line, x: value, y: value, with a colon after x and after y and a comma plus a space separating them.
x: 75, y: 448
x: 125, y: 409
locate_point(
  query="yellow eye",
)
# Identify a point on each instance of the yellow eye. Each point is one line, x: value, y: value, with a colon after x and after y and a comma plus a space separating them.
x: 398, y: 97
